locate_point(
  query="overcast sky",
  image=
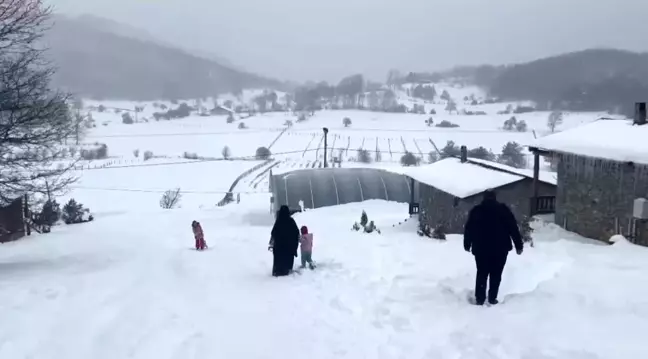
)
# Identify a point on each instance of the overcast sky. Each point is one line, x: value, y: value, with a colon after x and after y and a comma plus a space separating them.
x: 328, y: 39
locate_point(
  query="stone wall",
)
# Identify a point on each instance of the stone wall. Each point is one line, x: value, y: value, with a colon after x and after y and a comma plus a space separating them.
x: 438, y: 207
x: 595, y: 197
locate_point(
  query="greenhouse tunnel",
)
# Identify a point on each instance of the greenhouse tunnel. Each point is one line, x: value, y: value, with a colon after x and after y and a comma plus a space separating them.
x: 322, y: 187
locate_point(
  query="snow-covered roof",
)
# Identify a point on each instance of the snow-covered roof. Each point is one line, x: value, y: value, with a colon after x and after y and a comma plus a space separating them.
x: 616, y: 140
x: 544, y: 176
x: 459, y: 179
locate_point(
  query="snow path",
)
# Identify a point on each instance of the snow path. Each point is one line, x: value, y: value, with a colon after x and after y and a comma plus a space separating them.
x: 130, y: 287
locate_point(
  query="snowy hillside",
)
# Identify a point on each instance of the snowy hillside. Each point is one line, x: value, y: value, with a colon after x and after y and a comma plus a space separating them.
x: 128, y: 286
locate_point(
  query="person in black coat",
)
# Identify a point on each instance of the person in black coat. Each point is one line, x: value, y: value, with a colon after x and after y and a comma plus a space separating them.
x: 285, y: 241
x: 490, y: 228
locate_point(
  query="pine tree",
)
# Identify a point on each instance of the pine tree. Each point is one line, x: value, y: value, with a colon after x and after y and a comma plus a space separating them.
x: 51, y: 213
x: 439, y: 232
x: 72, y: 212
x: 526, y: 230
x: 364, y: 219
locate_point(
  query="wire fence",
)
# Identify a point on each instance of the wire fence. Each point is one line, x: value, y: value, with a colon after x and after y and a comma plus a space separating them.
x: 122, y: 163
x: 308, y: 131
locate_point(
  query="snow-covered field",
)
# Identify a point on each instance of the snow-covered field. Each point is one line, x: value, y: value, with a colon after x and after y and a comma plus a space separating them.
x: 128, y: 286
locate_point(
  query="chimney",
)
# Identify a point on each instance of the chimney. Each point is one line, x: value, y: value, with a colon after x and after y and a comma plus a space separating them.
x: 640, y: 113
x: 464, y: 150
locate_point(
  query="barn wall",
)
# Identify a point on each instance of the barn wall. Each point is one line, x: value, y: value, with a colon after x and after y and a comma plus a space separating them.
x: 595, y: 197
x: 438, y: 207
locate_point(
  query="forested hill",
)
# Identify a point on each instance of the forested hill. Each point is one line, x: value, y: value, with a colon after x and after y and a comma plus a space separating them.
x: 596, y: 79
x: 94, y: 62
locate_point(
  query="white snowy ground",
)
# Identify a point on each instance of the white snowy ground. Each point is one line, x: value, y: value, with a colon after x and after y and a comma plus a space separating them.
x: 129, y: 286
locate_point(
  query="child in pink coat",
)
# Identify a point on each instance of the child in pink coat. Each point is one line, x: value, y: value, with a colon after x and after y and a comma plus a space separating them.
x: 306, y: 244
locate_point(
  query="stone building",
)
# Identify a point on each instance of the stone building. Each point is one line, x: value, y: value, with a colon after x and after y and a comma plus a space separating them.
x: 448, y: 189
x: 602, y: 168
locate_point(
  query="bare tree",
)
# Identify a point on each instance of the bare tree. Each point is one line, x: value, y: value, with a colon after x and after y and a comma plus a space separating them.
x: 34, y: 119
x: 555, y: 119
x: 170, y: 198
x: 227, y: 153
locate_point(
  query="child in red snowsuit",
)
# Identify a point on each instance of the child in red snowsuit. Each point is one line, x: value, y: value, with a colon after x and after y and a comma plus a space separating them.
x: 199, y: 236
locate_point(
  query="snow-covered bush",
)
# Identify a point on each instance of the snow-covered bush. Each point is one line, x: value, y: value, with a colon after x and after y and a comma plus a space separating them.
x: 526, y: 230
x: 98, y: 153
x: 371, y: 227
x: 127, y: 119
x: 242, y: 126
x: 429, y: 121
x: 439, y: 232
x: 510, y: 124
x: 170, y: 198
x: 148, y: 155
x: 136, y: 152
x: 190, y: 155
x: 288, y: 123
x: 408, y: 159
x: 263, y: 153
x: 424, y: 231
x: 102, y: 151
x: 346, y: 122
x: 226, y: 152
x: 521, y: 126
x: 364, y: 156
x: 481, y: 153
x: 74, y: 212
x: 364, y: 219
x: 366, y: 225
x: 512, y: 155
x: 446, y: 124
x: 49, y: 214
x: 433, y: 156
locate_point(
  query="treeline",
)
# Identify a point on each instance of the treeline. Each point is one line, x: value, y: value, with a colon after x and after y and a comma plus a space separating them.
x: 351, y: 92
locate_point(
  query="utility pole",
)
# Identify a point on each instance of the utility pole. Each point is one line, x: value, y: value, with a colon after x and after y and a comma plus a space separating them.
x: 78, y: 123
x: 325, y: 145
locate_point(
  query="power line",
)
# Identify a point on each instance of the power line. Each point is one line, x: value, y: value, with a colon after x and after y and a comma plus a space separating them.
x: 240, y: 132
x: 253, y: 157
x: 161, y: 191
x: 304, y: 131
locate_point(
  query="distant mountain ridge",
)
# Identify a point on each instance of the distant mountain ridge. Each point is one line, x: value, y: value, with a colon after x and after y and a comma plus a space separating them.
x: 588, y: 80
x: 104, y: 59
x: 126, y: 30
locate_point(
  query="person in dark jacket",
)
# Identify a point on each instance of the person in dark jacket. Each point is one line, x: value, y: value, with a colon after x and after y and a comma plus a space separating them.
x: 285, y: 241
x: 489, y: 231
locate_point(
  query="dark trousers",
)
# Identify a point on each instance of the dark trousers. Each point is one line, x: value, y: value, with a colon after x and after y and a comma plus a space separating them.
x: 489, y: 268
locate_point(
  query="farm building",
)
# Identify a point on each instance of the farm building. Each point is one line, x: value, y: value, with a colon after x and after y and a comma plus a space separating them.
x: 321, y: 187
x: 12, y: 223
x: 450, y: 188
x: 602, y: 168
